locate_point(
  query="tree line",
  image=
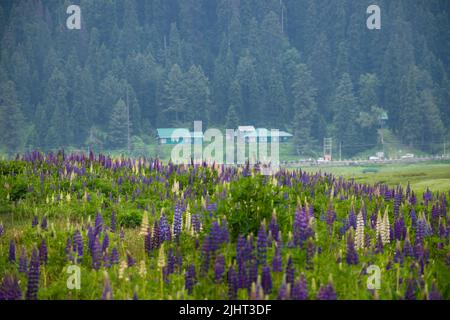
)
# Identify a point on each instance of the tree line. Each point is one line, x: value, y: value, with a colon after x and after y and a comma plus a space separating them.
x: 306, y: 66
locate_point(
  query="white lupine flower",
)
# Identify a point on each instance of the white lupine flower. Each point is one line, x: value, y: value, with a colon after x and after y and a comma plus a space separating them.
x: 359, y: 236
x: 379, y: 227
x: 386, y: 234
x: 122, y: 268
x: 161, y: 257
x: 187, y: 223
x: 176, y: 186
x: 144, y: 224
x: 142, y: 269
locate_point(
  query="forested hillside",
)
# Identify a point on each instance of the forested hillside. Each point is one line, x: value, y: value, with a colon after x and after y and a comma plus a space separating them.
x: 307, y: 66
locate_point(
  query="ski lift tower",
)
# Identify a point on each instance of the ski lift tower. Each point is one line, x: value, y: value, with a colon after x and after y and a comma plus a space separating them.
x: 327, y: 148
x: 382, y: 120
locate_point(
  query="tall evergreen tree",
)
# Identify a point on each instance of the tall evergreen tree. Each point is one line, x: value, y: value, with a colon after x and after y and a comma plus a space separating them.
x: 11, y: 119
x: 118, y: 126
x: 58, y: 134
x: 174, y: 100
x: 305, y: 106
x: 232, y: 119
x: 345, y: 116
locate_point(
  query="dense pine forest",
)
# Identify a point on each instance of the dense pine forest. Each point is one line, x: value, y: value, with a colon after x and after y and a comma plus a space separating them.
x: 310, y: 67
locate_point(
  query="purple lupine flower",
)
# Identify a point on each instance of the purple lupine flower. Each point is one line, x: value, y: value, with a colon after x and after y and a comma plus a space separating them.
x: 352, y: 218
x: 130, y: 260
x: 156, y: 236
x: 219, y: 268
x: 398, y: 256
x: 34, y: 222
x: 214, y: 236
x: 252, y: 271
x: 78, y: 242
x: 274, y: 228
x: 379, y: 245
x: 242, y: 276
x: 106, y: 258
x: 326, y: 292
x: 165, y: 229
x: 12, y: 251
x: 98, y: 227
x: 96, y: 254
x: 69, y: 246
x: 240, y: 249
x: 33, y: 276
x: 419, y: 251
x: 10, y: 289
x: 410, y: 293
x: 300, y: 227
x: 2, y: 230
x: 435, y: 213
x: 427, y: 196
x: 114, y: 258
x: 148, y: 242
x: 232, y: 283
x: 331, y: 217
x: 44, y: 223
x: 277, y: 262
x: 300, y: 289
x: 420, y: 230
x: 113, y: 222
x: 413, y: 216
x: 23, y: 261
x: 400, y: 228
x: 266, y: 280
x: 177, y: 221
x: 190, y: 279
x: 310, y: 252
x: 398, y: 198
x: 179, y: 260
x: 90, y: 236
x: 290, y: 271
x: 107, y: 290
x: 43, y: 252
x: 205, y: 254
x: 196, y: 223
x: 170, y: 262
x: 434, y: 294
x: 413, y: 199
x: 352, y: 255
x: 262, y: 245
x: 105, y: 243
x: 283, y: 292
x: 407, y: 248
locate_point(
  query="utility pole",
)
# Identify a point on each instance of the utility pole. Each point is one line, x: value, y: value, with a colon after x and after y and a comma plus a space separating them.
x: 128, y: 126
x: 282, y: 16
x: 340, y: 150
x: 327, y: 148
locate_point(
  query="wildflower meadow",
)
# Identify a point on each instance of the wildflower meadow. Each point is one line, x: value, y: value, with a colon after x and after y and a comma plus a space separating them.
x: 87, y: 227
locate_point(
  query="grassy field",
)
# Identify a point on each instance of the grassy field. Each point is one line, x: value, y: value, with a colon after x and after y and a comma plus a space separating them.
x: 435, y: 175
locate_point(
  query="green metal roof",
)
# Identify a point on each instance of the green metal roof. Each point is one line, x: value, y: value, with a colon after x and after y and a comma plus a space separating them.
x: 266, y: 132
x: 166, y: 133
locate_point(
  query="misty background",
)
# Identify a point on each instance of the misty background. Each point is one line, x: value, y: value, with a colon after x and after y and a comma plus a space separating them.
x: 309, y: 67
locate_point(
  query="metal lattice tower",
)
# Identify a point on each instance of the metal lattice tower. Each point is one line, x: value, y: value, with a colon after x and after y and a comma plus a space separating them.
x: 327, y: 148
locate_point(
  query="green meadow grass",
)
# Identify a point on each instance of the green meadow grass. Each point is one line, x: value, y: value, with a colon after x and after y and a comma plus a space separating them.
x: 433, y: 175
